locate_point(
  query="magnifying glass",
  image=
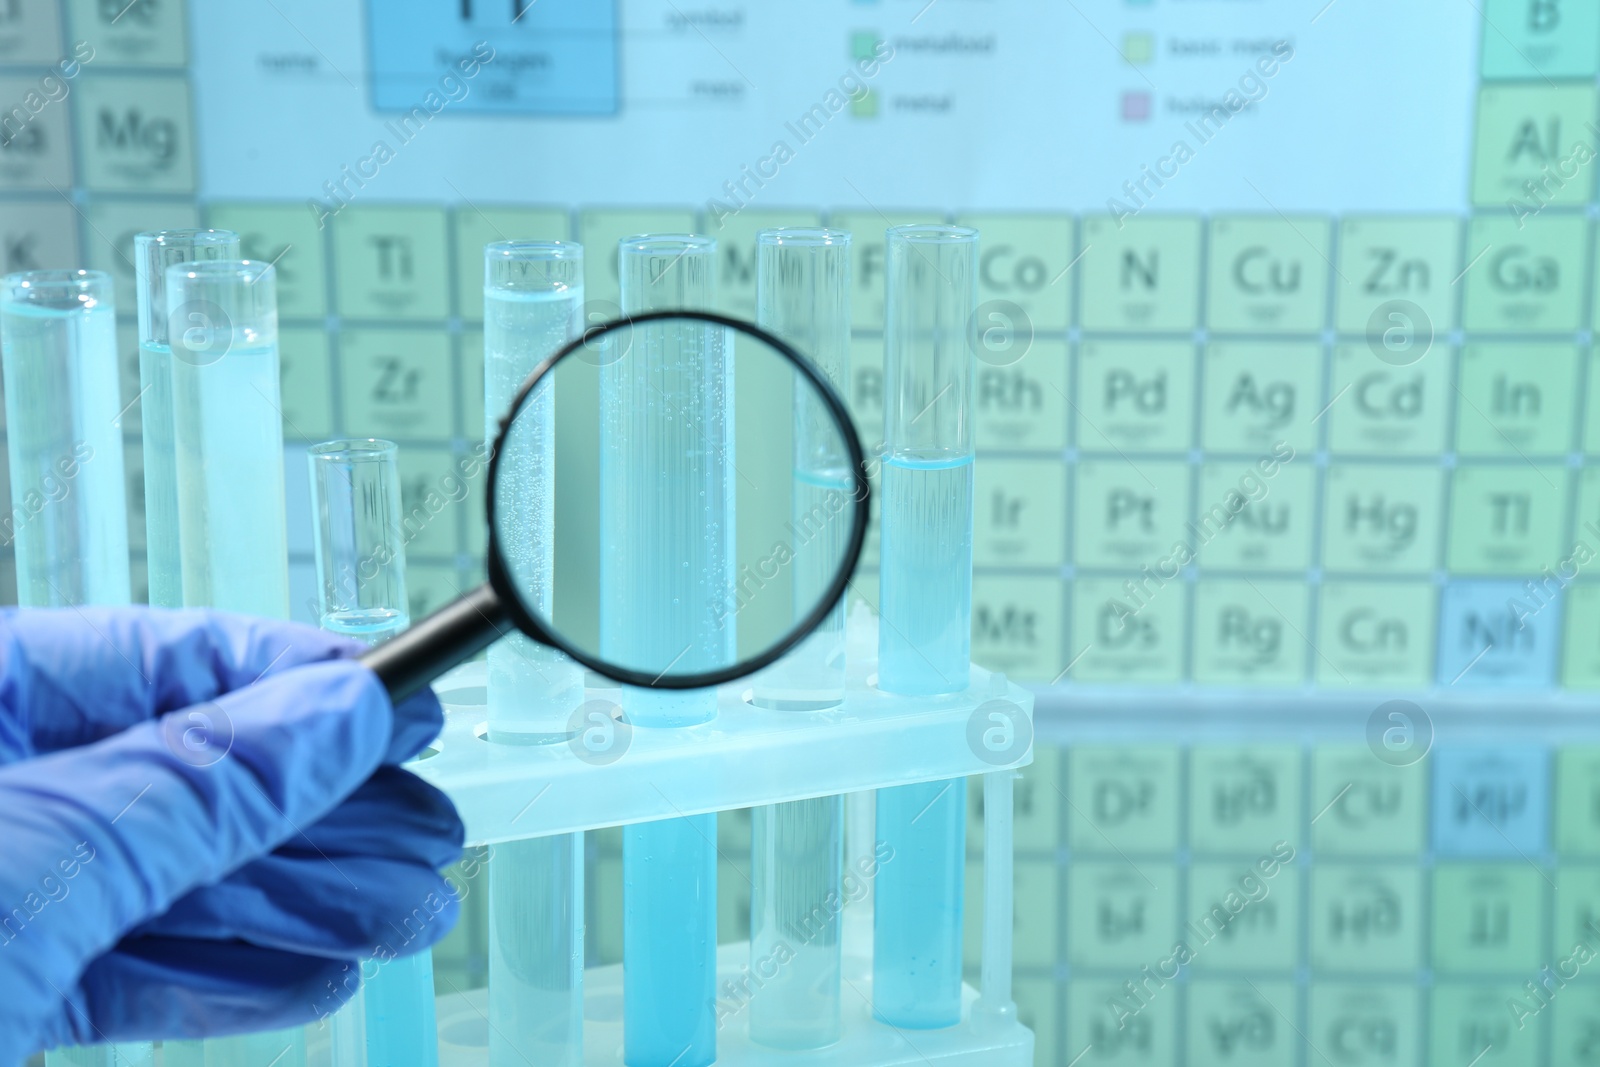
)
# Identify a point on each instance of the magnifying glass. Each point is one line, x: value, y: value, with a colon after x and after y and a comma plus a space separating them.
x: 726, y: 531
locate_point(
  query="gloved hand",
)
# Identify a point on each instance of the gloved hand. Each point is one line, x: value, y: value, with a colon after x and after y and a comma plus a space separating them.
x: 202, y: 826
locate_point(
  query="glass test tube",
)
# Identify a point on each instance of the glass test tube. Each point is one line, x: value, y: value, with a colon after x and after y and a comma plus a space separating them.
x: 925, y: 609
x: 69, y: 510
x: 803, y: 296
x: 658, y: 408
x: 360, y: 543
x: 154, y: 252
x: 228, y: 435
x: 532, y: 305
x: 122, y: 1054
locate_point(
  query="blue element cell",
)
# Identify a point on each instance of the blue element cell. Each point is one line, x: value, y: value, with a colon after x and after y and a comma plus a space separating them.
x: 1499, y: 634
x: 1490, y: 800
x: 550, y: 57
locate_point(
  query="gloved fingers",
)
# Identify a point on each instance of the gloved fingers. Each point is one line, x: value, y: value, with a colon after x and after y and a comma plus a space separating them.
x: 71, y: 676
x: 393, y: 814
x: 417, y: 720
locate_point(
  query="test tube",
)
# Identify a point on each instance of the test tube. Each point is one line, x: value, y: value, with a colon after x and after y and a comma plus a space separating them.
x: 359, y: 541
x: 532, y: 306
x: 154, y: 252
x: 669, y: 868
x: 228, y: 435
x: 803, y: 296
x: 925, y: 609
x: 69, y: 510
x: 122, y: 1054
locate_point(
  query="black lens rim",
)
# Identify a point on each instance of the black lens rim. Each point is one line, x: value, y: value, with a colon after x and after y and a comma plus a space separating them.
x: 525, y: 621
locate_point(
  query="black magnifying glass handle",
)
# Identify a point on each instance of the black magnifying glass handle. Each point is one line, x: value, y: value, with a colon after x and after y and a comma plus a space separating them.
x: 407, y: 663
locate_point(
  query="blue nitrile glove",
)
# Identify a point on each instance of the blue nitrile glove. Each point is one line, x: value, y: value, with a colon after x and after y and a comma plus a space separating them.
x: 186, y: 850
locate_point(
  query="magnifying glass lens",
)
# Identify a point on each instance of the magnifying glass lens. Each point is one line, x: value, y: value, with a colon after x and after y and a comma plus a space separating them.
x: 703, y: 509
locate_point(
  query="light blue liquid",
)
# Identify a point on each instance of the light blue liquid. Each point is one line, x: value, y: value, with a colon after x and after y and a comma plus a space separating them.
x: 163, y: 556
x: 669, y: 911
x: 229, y: 444
x: 536, y: 952
x: 126, y: 1054
x: 925, y: 613
x: 374, y: 626
x: 401, y: 1031
x: 916, y: 960
x: 69, y: 510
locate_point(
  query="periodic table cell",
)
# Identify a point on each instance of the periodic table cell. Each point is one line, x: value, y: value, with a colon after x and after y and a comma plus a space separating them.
x: 1376, y: 634
x: 1251, y: 522
x: 1366, y: 807
x: 1490, y: 800
x: 1586, y: 539
x: 1379, y: 409
x: 1493, y: 634
x: 1396, y: 265
x: 1018, y: 626
x: 1123, y: 798
x: 1537, y: 40
x: 145, y: 34
x: 477, y: 225
x: 1260, y: 396
x: 1020, y: 513
x: 1239, y: 919
x: 1141, y: 274
x: 433, y: 494
x: 1129, y: 512
x: 1022, y: 406
x: 1038, y: 1008
x: 1487, y: 919
x: 397, y: 383
x: 1517, y: 399
x: 1248, y: 632
x: 1120, y: 915
x: 1506, y: 519
x: 35, y: 143
x: 1575, y: 931
x: 31, y: 33
x: 390, y: 263
x: 472, y: 387
x: 1366, y: 918
x: 37, y: 235
x: 1382, y: 519
x: 869, y: 254
x: 1536, y: 132
x: 599, y: 231
x: 1242, y: 1024
x: 1525, y: 278
x: 1580, y: 653
x: 111, y: 226
x: 1591, y: 423
x: 1363, y: 1024
x: 1022, y: 267
x: 1036, y: 912
x: 1470, y: 1021
x: 1268, y: 274
x: 1035, y: 804
x: 1245, y: 800
x: 1127, y: 630
x: 1135, y: 396
x: 288, y: 237
x: 305, y: 372
x: 1577, y: 797
x: 135, y: 135
x: 1574, y: 1025
x: 1111, y: 1028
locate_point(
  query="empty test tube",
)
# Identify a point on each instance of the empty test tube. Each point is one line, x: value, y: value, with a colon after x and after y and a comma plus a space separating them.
x: 154, y: 253
x: 655, y: 418
x: 803, y: 296
x: 532, y: 306
x: 228, y: 435
x: 360, y: 543
x: 69, y: 511
x: 925, y: 609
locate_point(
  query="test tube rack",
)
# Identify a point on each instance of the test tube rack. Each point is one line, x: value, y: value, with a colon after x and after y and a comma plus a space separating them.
x: 750, y: 756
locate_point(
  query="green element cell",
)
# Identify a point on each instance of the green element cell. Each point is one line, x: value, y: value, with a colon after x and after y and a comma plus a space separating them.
x: 864, y: 44
x: 1248, y: 632
x: 1574, y: 1021
x: 1260, y: 396
x: 390, y: 263
x: 432, y: 503
x: 1018, y: 626
x: 1382, y: 519
x: 1388, y: 258
x: 1250, y: 521
x: 1022, y: 406
x: 868, y: 252
x: 1242, y: 1024
x: 1376, y: 634
x: 1575, y: 933
x: 1517, y: 399
x: 1525, y: 278
x: 1365, y: 807
x: 477, y: 225
x: 1366, y: 918
x: 1507, y: 519
x: 600, y: 230
x: 1534, y: 147
x: 1122, y: 798
x: 1039, y: 1009
x: 288, y: 237
x: 397, y: 384
x: 1581, y: 636
x: 865, y: 105
x: 156, y: 37
x: 1036, y: 904
x: 1383, y: 410
x: 1577, y: 797
x: 1120, y: 915
x: 1268, y: 274
x: 1539, y: 40
x: 1127, y: 630
x: 1140, y: 274
x: 1135, y: 396
x: 32, y: 36
x: 1119, y: 1027
x: 1130, y: 513
x: 1488, y: 918
x: 1138, y: 48
x: 135, y: 135
x: 736, y: 254
x: 1022, y: 266
x: 1244, y: 800
x: 1020, y: 513
x: 306, y: 375
x: 1366, y: 1024
x: 1586, y: 541
x: 1035, y: 805
x: 1591, y: 424
x: 1472, y: 1022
